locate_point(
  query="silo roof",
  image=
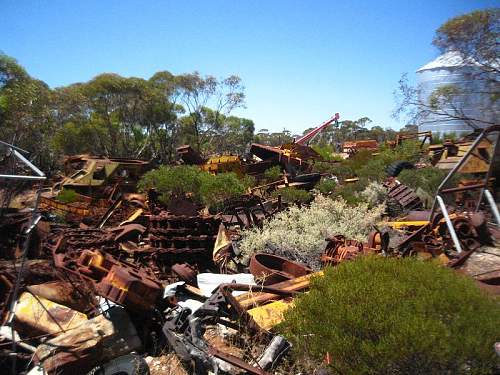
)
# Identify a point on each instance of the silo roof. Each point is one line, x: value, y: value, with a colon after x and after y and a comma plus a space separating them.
x: 450, y: 59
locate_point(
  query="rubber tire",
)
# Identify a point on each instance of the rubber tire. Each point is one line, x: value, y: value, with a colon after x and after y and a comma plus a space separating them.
x: 395, y: 168
x: 130, y: 364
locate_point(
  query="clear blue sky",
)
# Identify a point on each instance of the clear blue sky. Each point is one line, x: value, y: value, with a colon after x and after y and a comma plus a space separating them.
x: 301, y: 61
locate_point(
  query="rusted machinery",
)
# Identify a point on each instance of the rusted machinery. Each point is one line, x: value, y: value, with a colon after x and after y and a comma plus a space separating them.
x: 183, y: 239
x: 351, y: 147
x: 90, y: 175
x: 405, y: 197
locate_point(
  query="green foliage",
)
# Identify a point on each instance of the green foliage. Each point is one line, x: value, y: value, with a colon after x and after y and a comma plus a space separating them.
x: 173, y: 182
x: 428, y: 179
x: 118, y: 116
x: 327, y: 152
x: 215, y: 189
x: 202, y: 187
x: 326, y: 186
x: 367, y: 166
x: 441, y: 137
x: 351, y: 192
x: 443, y: 95
x: 248, y: 181
x: 293, y: 195
x: 395, y: 316
x: 474, y: 35
x: 335, y: 169
x: 273, y: 174
x: 67, y: 196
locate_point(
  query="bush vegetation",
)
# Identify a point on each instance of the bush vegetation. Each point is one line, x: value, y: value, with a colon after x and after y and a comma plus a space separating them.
x: 326, y: 186
x: 202, y: 187
x: 273, y: 174
x: 326, y: 151
x: 67, y: 196
x: 375, y: 193
x: 299, y: 233
x: 428, y: 179
x: 293, y: 195
x: 395, y: 316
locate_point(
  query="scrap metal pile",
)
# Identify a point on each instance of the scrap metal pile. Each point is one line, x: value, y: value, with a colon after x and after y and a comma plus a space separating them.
x: 124, y: 278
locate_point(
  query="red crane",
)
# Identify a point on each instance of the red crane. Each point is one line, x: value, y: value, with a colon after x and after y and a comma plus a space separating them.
x: 313, y: 133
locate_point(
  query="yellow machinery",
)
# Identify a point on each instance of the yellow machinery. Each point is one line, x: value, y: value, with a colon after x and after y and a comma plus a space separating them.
x: 446, y: 156
x: 222, y: 164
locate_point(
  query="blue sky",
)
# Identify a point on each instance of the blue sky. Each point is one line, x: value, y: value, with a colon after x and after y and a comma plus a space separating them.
x: 300, y: 61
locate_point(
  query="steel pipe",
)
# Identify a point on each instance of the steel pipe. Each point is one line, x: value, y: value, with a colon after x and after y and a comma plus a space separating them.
x: 449, y: 224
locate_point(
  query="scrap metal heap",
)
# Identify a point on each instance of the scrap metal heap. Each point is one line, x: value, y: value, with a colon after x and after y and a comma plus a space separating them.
x: 139, y: 279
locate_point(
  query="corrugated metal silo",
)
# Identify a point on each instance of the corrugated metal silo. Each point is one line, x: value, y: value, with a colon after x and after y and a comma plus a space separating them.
x: 474, y: 100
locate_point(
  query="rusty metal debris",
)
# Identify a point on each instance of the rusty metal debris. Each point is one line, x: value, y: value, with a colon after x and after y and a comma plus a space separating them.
x: 405, y: 196
x: 273, y: 269
x: 85, y: 282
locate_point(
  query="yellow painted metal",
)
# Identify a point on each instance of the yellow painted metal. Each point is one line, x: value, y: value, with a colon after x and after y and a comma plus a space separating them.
x: 221, y: 243
x: 133, y: 217
x: 404, y: 224
x: 37, y: 314
x: 223, y: 163
x: 269, y: 315
x: 477, y: 162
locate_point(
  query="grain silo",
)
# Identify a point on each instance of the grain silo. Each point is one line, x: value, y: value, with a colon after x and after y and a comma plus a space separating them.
x: 474, y: 98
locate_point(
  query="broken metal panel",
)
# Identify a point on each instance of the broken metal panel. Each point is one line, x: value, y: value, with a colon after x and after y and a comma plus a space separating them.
x: 96, y: 341
x: 37, y: 315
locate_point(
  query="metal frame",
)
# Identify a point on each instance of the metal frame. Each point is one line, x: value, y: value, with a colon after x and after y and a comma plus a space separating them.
x: 438, y: 200
x: 40, y: 176
x: 35, y: 218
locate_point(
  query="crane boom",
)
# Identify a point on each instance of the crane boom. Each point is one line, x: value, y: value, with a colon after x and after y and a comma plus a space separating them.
x: 309, y: 136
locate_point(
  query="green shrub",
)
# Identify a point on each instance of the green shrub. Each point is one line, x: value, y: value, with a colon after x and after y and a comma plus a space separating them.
x: 351, y: 192
x: 273, y: 174
x: 326, y: 186
x: 327, y: 152
x: 395, y: 316
x: 293, y: 195
x: 373, y: 167
x: 67, y: 196
x: 202, y: 187
x: 215, y: 189
x: 428, y: 179
x: 340, y: 170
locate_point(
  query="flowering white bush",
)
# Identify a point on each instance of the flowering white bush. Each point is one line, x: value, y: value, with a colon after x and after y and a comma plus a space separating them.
x: 299, y: 234
x: 375, y: 193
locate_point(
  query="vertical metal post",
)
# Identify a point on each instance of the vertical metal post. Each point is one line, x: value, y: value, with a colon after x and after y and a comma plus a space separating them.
x: 449, y: 224
x: 493, y: 205
x: 488, y: 174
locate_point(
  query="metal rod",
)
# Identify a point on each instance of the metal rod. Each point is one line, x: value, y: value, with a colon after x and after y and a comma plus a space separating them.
x: 493, y: 205
x: 18, y: 177
x: 462, y: 188
x: 454, y: 237
x: 29, y: 164
x: 8, y: 145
